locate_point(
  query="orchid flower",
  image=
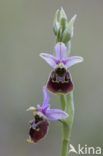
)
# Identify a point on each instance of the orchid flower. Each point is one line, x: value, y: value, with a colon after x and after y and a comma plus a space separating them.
x: 42, y: 115
x: 60, y: 80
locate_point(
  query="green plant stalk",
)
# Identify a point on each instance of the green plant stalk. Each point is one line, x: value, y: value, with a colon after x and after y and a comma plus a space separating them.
x: 68, y: 106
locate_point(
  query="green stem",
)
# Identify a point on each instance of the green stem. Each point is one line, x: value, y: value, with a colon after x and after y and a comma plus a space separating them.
x: 68, y: 106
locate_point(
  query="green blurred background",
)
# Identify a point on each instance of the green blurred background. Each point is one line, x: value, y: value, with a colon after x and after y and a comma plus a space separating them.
x: 26, y: 31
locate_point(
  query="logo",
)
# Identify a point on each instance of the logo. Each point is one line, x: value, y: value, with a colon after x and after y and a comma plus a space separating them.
x: 81, y: 150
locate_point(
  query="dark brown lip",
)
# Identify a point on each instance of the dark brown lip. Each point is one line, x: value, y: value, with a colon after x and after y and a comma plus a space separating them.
x: 40, y: 130
x: 60, y: 81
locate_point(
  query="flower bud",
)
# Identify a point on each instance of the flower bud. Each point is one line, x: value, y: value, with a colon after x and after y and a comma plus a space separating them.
x: 63, y: 29
x: 70, y: 26
x: 56, y: 24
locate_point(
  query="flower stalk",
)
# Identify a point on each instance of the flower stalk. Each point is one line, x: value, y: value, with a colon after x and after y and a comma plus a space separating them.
x: 68, y: 106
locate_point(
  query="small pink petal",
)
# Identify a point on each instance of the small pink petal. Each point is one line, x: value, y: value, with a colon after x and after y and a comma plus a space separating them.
x: 73, y: 60
x: 56, y: 114
x: 46, y: 98
x: 50, y: 59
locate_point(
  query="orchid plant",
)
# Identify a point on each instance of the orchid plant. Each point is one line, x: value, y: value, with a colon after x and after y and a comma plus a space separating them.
x: 59, y: 82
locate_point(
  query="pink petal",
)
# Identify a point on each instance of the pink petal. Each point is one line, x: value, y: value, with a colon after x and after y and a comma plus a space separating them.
x: 56, y: 114
x: 46, y: 98
x: 50, y: 59
x: 61, y: 51
x: 73, y: 60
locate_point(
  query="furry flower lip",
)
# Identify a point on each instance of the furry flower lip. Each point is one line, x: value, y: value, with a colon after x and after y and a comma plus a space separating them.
x: 42, y: 115
x: 60, y: 80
